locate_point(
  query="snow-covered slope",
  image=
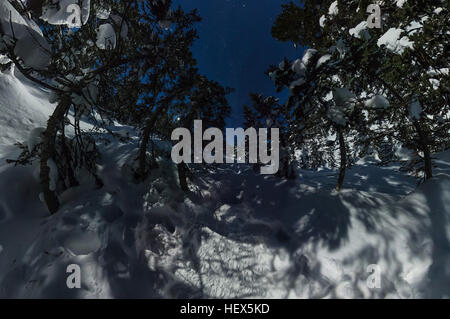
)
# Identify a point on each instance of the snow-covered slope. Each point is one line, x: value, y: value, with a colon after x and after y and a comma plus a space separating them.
x: 22, y: 108
x: 237, y: 234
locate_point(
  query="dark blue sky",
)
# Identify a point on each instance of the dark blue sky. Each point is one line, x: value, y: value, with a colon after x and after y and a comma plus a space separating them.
x: 236, y: 47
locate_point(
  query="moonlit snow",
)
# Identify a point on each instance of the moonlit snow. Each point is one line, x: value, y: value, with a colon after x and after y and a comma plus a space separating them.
x: 235, y: 233
x: 238, y: 234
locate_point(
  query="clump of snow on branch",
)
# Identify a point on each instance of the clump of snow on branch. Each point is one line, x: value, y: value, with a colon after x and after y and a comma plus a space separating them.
x: 333, y: 10
x: 344, y: 103
x: 377, y: 102
x: 438, y: 10
x: 400, y: 3
x: 360, y: 31
x: 391, y: 39
x: 106, y: 37
x: 297, y: 83
x: 322, y: 21
x: 322, y: 60
x: 308, y: 55
x: 300, y: 66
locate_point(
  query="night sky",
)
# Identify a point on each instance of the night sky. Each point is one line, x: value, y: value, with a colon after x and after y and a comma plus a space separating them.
x: 236, y: 47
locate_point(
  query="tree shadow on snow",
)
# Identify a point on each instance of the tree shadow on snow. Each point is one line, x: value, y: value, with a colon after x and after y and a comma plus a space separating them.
x: 439, y: 271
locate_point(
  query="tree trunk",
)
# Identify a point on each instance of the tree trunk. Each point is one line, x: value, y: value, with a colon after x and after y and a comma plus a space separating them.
x: 343, y: 153
x: 423, y: 137
x: 182, y: 176
x: 68, y: 158
x: 142, y: 170
x: 423, y: 141
x: 48, y: 152
x: 142, y: 173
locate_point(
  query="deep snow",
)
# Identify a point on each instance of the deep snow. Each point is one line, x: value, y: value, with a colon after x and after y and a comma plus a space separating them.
x: 236, y: 234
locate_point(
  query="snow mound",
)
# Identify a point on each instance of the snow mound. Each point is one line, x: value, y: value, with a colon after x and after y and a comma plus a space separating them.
x: 23, y: 107
x: 236, y: 234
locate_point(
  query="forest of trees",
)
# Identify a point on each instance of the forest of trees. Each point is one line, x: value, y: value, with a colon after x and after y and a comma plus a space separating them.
x: 131, y: 62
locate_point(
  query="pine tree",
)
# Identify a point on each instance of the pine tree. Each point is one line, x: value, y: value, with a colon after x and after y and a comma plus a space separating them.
x: 206, y: 101
x: 385, y: 83
x: 267, y: 112
x: 105, y: 67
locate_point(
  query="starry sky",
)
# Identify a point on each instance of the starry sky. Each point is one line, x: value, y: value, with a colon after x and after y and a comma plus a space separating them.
x: 236, y: 47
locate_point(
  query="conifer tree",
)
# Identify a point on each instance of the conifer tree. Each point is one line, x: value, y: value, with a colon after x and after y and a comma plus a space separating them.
x: 102, y: 71
x: 396, y: 76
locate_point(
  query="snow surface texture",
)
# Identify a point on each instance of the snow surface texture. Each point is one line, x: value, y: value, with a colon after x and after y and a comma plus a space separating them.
x: 31, y: 46
x: 237, y: 234
x: 22, y: 108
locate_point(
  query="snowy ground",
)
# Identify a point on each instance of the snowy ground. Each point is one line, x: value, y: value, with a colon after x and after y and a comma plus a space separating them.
x: 237, y: 234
